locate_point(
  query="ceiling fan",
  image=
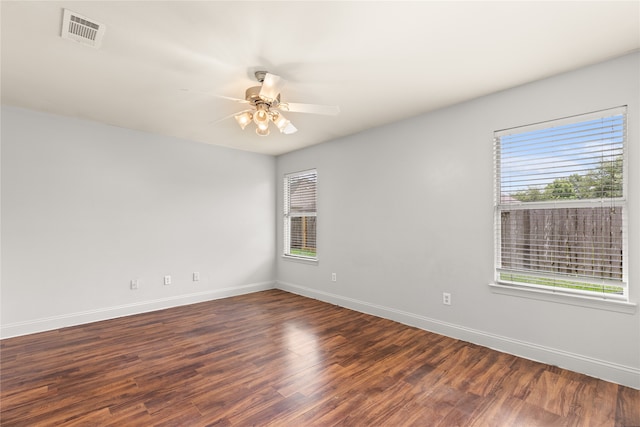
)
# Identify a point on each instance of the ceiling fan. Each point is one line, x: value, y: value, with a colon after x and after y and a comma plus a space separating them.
x: 266, y: 106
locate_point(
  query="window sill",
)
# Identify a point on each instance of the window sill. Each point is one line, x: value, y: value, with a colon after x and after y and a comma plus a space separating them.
x: 302, y: 260
x: 561, y: 298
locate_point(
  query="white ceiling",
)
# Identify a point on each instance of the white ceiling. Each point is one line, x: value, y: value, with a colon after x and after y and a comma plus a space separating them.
x: 378, y: 61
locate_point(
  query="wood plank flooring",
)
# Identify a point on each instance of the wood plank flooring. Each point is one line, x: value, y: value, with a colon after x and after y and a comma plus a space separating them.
x: 277, y: 359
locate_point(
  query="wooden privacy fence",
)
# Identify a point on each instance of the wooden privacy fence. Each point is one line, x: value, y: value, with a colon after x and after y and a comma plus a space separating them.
x: 303, y: 233
x: 585, y: 242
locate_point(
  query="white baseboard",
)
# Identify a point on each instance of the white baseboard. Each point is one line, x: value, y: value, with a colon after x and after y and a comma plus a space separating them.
x: 79, y: 318
x: 620, y: 374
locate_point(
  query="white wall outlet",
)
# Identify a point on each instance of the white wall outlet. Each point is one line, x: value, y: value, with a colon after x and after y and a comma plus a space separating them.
x: 167, y: 280
x: 334, y: 278
x: 196, y: 276
x: 446, y: 298
x: 134, y: 284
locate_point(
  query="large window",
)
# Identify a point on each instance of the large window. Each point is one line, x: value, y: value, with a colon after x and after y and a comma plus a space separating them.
x: 560, y: 205
x: 300, y: 214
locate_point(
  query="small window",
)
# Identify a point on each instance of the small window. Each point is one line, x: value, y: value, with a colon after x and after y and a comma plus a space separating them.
x: 300, y: 214
x: 560, y: 205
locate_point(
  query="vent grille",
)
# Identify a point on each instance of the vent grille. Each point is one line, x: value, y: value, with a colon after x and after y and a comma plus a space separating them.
x: 81, y: 29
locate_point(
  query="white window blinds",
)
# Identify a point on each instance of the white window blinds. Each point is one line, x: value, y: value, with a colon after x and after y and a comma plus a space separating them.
x: 560, y: 205
x: 300, y: 214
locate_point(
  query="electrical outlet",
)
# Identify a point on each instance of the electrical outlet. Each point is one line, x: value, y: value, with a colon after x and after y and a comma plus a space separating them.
x: 167, y: 280
x: 334, y: 278
x: 446, y: 298
x: 134, y: 284
x: 196, y: 276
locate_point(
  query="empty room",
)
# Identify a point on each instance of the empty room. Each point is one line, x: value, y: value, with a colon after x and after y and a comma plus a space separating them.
x: 329, y: 213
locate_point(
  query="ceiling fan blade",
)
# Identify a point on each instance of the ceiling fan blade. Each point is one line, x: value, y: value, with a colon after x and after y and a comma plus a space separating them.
x: 230, y: 115
x: 294, y: 107
x: 283, y: 124
x: 289, y: 129
x: 241, y: 101
x: 271, y: 86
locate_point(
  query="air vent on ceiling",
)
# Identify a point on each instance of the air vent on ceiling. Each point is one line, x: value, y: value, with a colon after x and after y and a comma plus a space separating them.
x: 81, y: 29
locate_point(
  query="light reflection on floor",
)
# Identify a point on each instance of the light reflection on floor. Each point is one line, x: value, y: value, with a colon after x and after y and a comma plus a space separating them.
x: 301, y: 341
x: 304, y: 356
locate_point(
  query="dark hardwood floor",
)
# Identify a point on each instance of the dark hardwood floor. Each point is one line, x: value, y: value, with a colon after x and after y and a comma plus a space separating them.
x: 278, y: 359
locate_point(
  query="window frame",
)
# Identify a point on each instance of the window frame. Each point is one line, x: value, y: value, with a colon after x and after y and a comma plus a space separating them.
x: 288, y: 215
x: 548, y: 292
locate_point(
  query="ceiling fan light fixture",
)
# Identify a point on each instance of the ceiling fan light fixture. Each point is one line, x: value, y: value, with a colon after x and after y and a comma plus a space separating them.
x: 244, y: 119
x: 261, y: 115
x: 262, y: 132
x: 263, y: 126
x: 280, y: 121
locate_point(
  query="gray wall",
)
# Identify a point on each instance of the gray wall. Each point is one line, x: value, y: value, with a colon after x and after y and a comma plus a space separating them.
x: 88, y: 207
x: 405, y: 213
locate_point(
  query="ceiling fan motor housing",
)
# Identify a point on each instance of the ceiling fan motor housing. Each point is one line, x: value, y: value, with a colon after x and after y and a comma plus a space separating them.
x: 260, y: 75
x: 253, y: 96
